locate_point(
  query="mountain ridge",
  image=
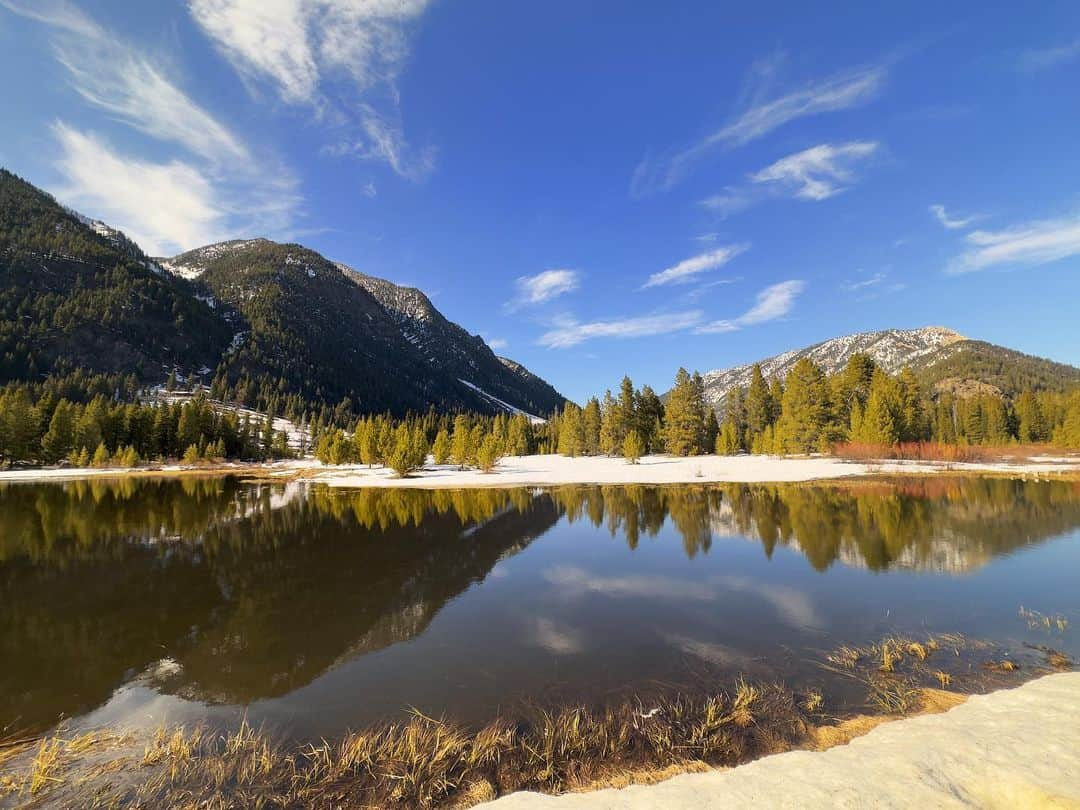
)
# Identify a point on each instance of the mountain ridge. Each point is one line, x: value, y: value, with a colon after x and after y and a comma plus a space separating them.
x: 267, y: 320
x: 936, y: 353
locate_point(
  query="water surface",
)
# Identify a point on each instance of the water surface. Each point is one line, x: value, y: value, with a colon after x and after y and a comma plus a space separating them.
x: 314, y: 610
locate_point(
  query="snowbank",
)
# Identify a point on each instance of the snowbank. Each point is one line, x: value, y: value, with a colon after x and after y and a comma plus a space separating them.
x: 554, y: 470
x: 1014, y: 748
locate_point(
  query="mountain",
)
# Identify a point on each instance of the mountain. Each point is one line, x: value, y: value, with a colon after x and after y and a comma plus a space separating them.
x: 266, y: 320
x: 452, y: 350
x: 76, y: 294
x: 330, y: 333
x: 942, y: 359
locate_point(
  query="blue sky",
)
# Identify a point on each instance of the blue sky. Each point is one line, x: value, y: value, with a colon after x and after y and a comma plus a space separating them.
x: 598, y: 188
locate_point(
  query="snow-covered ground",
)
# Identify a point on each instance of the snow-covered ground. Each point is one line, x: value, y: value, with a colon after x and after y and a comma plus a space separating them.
x: 1013, y: 748
x: 553, y: 470
x: 75, y: 473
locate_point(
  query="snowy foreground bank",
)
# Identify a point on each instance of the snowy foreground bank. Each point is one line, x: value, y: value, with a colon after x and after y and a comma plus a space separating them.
x: 553, y: 470
x: 1014, y: 748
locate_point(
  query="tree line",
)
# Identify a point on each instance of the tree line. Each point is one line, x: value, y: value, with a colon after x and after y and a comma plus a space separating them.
x: 105, y: 432
x: 809, y: 411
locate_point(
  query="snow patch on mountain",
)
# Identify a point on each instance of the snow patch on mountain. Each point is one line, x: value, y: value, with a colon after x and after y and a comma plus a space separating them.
x: 891, y: 349
x: 193, y: 264
x: 506, y: 406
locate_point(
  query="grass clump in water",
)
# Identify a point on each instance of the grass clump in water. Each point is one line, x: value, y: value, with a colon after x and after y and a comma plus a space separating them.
x: 427, y: 762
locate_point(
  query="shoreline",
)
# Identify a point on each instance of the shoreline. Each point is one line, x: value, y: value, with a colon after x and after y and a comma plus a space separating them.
x: 951, y: 749
x: 1016, y: 747
x: 554, y: 470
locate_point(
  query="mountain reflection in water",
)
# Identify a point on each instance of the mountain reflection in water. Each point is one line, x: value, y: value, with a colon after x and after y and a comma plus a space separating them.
x: 228, y: 593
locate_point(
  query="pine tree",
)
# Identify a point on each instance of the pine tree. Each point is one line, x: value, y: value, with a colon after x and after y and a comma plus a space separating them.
x: 1031, y: 427
x: 759, y: 406
x: 712, y: 429
x: 648, y: 417
x: 571, y: 433
x: 727, y: 441
x: 591, y: 419
x: 518, y: 434
x: 684, y: 427
x: 633, y: 447
x: 851, y: 387
x: 804, y: 410
x: 441, y: 449
x: 912, y: 427
x: 487, y: 456
x: 610, y: 425
x: 461, y: 444
x: 101, y: 456
x: 878, y: 423
x: 60, y: 437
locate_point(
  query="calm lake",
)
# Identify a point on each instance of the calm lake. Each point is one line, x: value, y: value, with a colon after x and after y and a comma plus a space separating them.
x: 312, y: 610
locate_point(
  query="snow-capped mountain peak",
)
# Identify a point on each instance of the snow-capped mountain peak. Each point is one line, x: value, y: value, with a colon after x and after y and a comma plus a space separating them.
x: 891, y: 349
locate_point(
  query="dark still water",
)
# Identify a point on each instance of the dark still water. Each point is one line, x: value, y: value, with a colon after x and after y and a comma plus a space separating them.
x: 313, y: 610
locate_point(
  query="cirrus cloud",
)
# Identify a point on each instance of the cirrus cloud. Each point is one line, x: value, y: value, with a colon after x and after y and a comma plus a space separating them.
x: 761, y: 111
x: 569, y: 332
x: 688, y: 270
x: 341, y: 58
x: 951, y: 223
x: 1029, y: 244
x: 543, y: 287
x: 773, y: 302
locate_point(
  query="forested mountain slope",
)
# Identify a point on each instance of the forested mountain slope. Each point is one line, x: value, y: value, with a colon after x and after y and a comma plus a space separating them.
x: 271, y: 325
x: 71, y: 297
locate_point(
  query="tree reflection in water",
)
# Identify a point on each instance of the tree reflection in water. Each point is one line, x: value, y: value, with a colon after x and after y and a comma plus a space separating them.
x: 255, y: 590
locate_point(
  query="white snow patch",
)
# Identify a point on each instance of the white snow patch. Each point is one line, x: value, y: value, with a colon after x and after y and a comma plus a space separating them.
x: 506, y: 406
x: 553, y: 470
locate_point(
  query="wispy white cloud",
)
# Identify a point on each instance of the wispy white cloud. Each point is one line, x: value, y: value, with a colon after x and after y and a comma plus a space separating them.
x: 952, y: 223
x: 773, y: 302
x: 569, y: 332
x: 543, y: 287
x: 707, y: 238
x: 814, y: 174
x: 165, y: 208
x: 116, y: 77
x: 341, y: 58
x: 765, y: 110
x: 868, y: 287
x: 688, y: 270
x: 819, y: 172
x: 694, y: 295
x: 732, y: 200
x: 218, y: 187
x: 497, y: 343
x: 1045, y: 58
x: 1029, y: 244
x: 876, y: 280
x: 761, y: 111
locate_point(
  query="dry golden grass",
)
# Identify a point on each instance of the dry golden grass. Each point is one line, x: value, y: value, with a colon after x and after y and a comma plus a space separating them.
x: 426, y: 762
x: 422, y: 761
